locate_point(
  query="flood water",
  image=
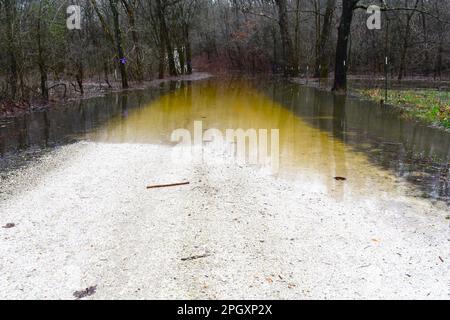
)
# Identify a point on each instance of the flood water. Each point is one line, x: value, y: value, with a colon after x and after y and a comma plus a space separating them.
x: 321, y: 135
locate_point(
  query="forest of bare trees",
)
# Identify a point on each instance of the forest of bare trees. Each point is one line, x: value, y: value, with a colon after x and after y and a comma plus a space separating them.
x: 129, y: 41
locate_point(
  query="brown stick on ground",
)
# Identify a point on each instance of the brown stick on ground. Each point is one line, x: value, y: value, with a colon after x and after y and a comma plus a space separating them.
x: 168, y: 185
x: 196, y: 257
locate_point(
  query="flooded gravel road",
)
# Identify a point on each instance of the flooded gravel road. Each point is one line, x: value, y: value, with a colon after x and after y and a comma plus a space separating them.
x: 83, y: 217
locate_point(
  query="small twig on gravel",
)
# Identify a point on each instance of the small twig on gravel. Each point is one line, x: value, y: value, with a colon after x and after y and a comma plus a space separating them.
x: 168, y: 185
x: 196, y: 257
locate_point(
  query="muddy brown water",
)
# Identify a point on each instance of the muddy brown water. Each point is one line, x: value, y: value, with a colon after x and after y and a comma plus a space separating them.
x: 319, y: 132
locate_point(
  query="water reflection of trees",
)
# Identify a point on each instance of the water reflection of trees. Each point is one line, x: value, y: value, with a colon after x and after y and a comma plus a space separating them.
x: 409, y: 149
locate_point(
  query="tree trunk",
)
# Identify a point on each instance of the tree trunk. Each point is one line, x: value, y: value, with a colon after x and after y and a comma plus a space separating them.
x: 188, y: 50
x: 171, y: 58
x: 80, y: 76
x: 165, y: 40
x: 135, y: 36
x: 297, y: 33
x: 41, y: 61
x: 182, y: 58
x: 340, y: 76
x: 425, y: 40
x: 321, y: 67
x: 13, y: 73
x: 317, y: 21
x: 438, y: 64
x: 438, y: 59
x: 405, y: 46
x: 162, y: 60
x: 120, y: 51
x: 289, y: 62
x: 403, y: 51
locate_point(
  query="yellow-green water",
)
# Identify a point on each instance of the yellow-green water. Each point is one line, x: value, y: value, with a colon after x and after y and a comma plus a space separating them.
x: 306, y: 153
x: 321, y: 135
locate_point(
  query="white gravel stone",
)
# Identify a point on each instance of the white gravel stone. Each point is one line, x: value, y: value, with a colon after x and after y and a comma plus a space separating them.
x: 83, y: 217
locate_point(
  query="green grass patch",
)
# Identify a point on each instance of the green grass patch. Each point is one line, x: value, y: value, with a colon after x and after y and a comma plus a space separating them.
x: 433, y: 106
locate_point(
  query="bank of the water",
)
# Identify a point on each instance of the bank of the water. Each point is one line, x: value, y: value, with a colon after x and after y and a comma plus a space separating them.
x: 419, y: 99
x: 431, y: 106
x: 92, y: 89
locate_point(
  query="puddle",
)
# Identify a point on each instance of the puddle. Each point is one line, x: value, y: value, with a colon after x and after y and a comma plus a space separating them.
x: 321, y: 136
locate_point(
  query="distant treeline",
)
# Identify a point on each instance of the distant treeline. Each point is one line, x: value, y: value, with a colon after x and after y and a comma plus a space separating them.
x: 136, y: 40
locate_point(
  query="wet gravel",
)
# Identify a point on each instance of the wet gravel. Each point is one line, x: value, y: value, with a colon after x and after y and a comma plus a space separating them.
x: 84, y: 219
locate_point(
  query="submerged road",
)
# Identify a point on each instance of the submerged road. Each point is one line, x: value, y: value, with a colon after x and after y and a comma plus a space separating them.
x: 83, y: 218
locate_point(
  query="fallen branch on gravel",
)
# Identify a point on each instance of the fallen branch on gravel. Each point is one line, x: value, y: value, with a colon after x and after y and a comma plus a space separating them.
x: 168, y: 185
x: 196, y: 257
